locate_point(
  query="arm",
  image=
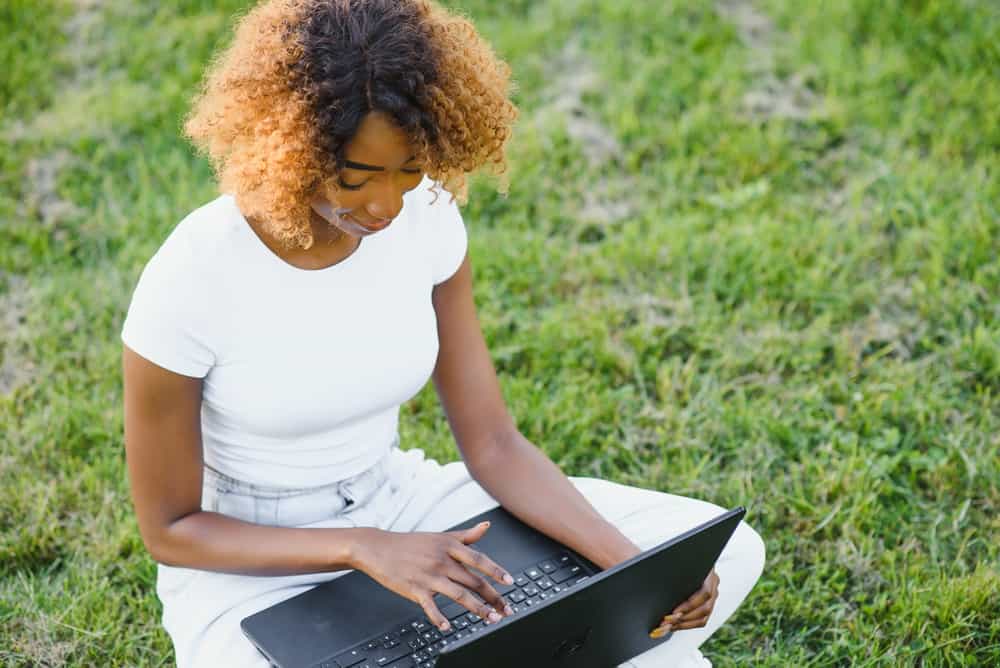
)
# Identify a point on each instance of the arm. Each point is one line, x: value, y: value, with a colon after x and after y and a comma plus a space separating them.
x: 163, y: 449
x: 508, y: 466
x: 513, y: 470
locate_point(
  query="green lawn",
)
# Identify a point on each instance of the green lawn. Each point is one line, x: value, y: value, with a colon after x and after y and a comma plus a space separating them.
x: 750, y: 254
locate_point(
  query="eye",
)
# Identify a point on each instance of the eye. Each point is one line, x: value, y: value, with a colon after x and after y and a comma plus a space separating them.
x: 350, y: 186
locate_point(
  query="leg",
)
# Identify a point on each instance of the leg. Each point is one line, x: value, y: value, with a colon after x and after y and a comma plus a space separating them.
x: 648, y: 518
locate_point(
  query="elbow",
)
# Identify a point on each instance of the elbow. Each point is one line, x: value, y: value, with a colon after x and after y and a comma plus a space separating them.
x: 492, y: 451
x: 156, y: 547
x: 159, y: 545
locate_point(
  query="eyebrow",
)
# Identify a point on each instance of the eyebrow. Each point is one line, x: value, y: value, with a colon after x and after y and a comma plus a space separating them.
x: 350, y: 164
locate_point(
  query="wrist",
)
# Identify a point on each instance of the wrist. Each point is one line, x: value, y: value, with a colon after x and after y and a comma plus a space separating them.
x: 613, y: 549
x: 355, y: 549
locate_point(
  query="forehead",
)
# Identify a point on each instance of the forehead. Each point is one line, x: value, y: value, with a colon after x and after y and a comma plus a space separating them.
x: 379, y: 141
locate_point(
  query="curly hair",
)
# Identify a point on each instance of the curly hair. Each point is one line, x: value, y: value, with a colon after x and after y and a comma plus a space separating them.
x: 279, y: 106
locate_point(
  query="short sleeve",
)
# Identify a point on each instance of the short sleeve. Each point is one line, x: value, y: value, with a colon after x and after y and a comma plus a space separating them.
x: 166, y: 321
x: 447, y: 240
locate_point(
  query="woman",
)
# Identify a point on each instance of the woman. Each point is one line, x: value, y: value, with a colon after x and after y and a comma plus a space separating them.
x: 272, y: 338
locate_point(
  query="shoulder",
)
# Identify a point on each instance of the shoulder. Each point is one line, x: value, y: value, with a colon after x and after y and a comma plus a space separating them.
x: 193, y: 256
x: 429, y: 202
x: 205, y: 233
x: 200, y: 240
x: 439, y: 228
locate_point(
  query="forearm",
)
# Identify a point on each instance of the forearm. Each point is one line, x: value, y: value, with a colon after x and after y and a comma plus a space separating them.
x: 215, y: 542
x: 528, y: 484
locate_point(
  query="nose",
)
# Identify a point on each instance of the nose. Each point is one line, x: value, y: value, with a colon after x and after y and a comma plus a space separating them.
x: 386, y: 202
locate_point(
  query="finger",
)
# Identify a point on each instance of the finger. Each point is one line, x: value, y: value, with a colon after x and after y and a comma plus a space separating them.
x: 660, y: 631
x: 703, y: 610
x: 480, y: 562
x: 431, y: 610
x: 694, y: 601
x: 472, y: 534
x: 691, y: 624
x: 482, y: 588
x: 713, y: 582
x: 466, y: 599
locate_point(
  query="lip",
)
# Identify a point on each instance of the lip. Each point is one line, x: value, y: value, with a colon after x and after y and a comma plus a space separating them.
x: 369, y: 227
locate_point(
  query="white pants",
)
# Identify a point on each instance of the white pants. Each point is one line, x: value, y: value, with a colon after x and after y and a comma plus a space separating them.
x: 407, y: 492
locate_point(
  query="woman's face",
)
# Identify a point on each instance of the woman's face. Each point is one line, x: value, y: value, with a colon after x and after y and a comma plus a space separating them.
x: 379, y: 167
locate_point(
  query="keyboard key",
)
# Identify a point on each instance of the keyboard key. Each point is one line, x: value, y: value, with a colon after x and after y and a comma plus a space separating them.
x: 531, y: 590
x: 473, y: 617
x: 501, y: 587
x: 348, y: 659
x: 521, y: 580
x: 516, y: 596
x: 452, y: 610
x: 544, y: 583
x: 385, y: 656
x: 533, y: 573
x: 548, y: 566
x: 564, y: 574
x: 405, y: 662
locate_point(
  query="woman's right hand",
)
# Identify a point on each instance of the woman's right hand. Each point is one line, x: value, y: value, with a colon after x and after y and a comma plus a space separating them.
x: 419, y: 565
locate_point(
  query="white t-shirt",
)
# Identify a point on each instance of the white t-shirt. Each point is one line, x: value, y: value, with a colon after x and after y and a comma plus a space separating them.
x: 304, y: 370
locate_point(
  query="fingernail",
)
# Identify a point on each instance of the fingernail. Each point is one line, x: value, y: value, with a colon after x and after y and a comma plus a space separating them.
x: 494, y: 617
x: 484, y: 524
x: 660, y: 632
x: 508, y: 610
x: 444, y: 626
x: 507, y: 579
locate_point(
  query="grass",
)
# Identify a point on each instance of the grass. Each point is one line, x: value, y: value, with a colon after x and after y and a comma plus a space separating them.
x: 750, y: 254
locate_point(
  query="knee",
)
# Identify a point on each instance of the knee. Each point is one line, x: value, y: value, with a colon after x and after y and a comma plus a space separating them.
x: 748, y: 549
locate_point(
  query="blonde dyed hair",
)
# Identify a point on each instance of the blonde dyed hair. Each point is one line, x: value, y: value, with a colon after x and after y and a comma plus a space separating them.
x: 265, y: 119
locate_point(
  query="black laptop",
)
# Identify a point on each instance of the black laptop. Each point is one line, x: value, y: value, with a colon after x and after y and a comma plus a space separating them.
x: 567, y: 612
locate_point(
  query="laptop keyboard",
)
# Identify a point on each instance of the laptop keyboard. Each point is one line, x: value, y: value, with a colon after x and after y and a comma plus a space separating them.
x: 417, y: 643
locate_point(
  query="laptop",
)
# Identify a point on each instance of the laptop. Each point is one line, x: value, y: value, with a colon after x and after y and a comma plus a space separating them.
x: 567, y: 612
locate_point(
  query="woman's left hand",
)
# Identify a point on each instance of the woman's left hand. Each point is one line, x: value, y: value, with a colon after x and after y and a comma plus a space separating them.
x: 692, y: 613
